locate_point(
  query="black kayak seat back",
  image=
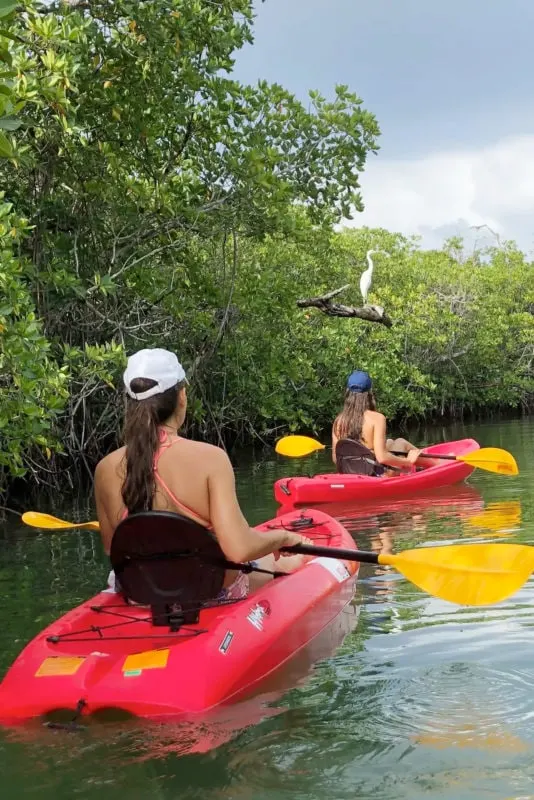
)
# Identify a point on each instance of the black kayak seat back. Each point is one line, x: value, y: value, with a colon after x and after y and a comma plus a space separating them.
x: 354, y: 458
x: 168, y: 562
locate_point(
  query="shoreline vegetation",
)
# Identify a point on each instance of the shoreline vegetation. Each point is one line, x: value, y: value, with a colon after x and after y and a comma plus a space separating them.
x: 149, y: 199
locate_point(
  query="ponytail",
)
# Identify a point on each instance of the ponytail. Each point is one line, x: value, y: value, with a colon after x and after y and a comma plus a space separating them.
x: 141, y: 437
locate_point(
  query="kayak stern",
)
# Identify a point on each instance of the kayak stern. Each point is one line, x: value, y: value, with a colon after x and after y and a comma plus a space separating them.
x: 106, y: 655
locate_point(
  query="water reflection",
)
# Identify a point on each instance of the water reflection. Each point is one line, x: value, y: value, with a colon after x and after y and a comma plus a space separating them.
x: 445, y: 516
x: 456, y: 513
x: 504, y: 518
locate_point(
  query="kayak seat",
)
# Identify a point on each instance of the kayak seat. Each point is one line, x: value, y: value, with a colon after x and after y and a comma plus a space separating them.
x: 354, y: 458
x: 168, y: 562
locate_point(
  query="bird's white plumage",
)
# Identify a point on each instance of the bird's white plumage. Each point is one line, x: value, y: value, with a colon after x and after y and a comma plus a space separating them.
x: 367, y: 276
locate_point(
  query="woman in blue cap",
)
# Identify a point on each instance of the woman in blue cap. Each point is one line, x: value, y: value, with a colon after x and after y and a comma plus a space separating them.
x: 359, y: 442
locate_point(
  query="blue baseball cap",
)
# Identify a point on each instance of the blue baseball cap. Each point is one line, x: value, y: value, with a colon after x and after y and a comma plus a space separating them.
x: 359, y: 382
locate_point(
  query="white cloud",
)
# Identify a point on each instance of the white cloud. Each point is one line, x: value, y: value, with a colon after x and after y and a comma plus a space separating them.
x: 444, y: 193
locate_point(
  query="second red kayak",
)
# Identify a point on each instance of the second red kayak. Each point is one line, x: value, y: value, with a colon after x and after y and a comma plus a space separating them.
x: 333, y: 487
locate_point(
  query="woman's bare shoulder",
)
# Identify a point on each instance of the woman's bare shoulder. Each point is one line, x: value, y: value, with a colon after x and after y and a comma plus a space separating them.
x: 209, y: 453
x: 110, y: 464
x: 374, y: 416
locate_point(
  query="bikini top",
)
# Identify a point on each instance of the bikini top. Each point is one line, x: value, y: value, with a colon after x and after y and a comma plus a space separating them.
x: 165, y: 443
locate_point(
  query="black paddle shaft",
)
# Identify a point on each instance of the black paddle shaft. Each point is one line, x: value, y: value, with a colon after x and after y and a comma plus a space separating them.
x: 426, y: 455
x: 362, y: 556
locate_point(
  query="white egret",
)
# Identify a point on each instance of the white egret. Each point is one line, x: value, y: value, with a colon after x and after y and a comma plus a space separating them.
x: 367, y: 276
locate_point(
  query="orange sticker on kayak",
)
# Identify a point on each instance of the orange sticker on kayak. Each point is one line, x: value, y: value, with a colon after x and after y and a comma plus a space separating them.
x: 59, y: 665
x: 150, y: 659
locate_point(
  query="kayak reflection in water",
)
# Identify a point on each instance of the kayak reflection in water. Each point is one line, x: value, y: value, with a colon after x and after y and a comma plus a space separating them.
x: 359, y: 442
x: 159, y: 470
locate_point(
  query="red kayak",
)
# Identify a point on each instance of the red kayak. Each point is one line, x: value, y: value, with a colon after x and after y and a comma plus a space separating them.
x: 107, y: 655
x: 334, y: 487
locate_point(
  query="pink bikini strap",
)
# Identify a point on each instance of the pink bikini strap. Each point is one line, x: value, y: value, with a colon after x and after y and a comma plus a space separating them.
x: 165, y: 444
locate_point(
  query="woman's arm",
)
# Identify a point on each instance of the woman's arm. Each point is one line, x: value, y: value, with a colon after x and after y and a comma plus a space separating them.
x: 238, y: 541
x: 382, y: 455
x: 106, y: 528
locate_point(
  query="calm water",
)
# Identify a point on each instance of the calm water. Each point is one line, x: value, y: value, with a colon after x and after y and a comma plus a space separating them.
x: 422, y: 698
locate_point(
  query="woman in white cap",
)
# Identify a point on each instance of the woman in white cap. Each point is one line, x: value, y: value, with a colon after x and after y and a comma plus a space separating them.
x: 161, y: 471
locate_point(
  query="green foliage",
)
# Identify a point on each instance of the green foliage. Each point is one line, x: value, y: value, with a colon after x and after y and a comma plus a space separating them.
x: 33, y: 387
x: 463, y: 338
x: 151, y: 199
x: 142, y: 168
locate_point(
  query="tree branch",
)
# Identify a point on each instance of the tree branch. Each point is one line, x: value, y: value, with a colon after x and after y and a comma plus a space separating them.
x: 137, y: 237
x: 324, y: 304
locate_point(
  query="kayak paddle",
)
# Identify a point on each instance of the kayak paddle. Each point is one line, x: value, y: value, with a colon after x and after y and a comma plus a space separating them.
x: 467, y: 574
x: 37, y: 520
x: 491, y: 459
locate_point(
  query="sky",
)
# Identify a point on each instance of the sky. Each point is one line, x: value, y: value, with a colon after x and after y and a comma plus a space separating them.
x: 452, y: 86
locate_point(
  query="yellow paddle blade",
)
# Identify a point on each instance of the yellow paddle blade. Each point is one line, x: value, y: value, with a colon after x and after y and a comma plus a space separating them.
x: 467, y: 574
x: 492, y: 459
x: 36, y: 520
x: 297, y: 446
x: 503, y: 516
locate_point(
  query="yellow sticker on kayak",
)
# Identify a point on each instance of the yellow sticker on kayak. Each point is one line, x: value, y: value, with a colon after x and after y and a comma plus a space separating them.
x: 59, y: 665
x: 150, y: 659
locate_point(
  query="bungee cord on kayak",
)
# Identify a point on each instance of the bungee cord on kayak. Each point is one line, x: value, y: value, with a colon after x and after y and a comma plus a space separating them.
x: 99, y: 631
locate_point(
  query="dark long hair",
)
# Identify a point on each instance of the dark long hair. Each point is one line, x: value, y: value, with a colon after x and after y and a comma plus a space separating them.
x: 141, y: 437
x: 349, y: 422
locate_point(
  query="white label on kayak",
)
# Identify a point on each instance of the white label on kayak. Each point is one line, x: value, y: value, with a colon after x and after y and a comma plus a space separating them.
x: 258, y: 613
x: 337, y: 485
x: 334, y: 566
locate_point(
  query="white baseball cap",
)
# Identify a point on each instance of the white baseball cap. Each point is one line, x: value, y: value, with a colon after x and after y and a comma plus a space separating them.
x: 157, y: 365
